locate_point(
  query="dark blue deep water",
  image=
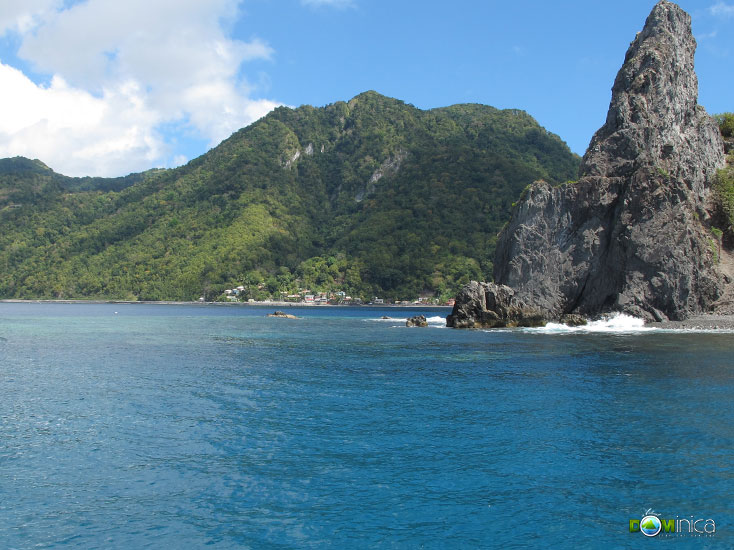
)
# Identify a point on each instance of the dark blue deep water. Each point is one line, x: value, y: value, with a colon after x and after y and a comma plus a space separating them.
x: 161, y: 426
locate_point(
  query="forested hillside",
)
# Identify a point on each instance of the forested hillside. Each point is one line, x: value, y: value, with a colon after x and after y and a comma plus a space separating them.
x: 373, y: 197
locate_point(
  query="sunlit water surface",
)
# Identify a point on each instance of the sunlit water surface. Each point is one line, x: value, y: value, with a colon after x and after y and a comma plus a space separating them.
x: 160, y: 426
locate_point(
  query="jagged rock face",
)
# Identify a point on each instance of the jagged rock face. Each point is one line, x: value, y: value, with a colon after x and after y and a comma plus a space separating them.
x: 630, y: 235
x: 654, y: 119
x: 487, y: 305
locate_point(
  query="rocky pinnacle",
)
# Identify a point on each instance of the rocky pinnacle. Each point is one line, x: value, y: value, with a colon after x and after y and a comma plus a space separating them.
x: 633, y: 234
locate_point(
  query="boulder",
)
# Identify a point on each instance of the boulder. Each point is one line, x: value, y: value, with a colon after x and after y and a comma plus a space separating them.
x: 417, y: 321
x: 487, y: 305
x: 573, y: 320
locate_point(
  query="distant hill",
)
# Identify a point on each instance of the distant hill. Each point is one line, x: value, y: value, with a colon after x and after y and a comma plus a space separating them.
x: 372, y: 196
x: 19, y: 170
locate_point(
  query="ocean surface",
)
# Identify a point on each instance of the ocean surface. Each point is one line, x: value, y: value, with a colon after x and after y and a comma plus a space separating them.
x: 166, y: 426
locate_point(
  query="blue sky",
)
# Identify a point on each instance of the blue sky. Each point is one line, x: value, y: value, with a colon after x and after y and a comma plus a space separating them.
x: 103, y: 87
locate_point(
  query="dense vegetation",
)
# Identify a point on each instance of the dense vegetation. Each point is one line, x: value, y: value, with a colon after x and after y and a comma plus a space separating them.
x: 724, y: 186
x: 725, y: 201
x: 18, y: 169
x: 726, y: 124
x: 373, y: 197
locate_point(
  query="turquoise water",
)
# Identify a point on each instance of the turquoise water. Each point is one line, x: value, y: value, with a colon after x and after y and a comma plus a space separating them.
x: 152, y: 426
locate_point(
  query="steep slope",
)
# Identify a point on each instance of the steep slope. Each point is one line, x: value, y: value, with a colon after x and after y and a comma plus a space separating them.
x: 634, y: 233
x: 372, y: 196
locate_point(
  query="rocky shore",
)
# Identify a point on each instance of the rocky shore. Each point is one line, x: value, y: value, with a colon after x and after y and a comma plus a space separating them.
x: 699, y: 322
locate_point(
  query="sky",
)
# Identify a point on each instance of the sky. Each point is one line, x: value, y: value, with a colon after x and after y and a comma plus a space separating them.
x: 106, y: 87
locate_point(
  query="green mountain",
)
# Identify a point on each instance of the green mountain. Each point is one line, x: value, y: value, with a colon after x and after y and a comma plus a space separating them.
x: 373, y: 196
x: 19, y: 171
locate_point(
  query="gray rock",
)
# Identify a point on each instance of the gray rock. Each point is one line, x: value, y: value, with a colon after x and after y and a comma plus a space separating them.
x: 573, y: 320
x: 487, y: 305
x: 417, y: 321
x: 631, y: 235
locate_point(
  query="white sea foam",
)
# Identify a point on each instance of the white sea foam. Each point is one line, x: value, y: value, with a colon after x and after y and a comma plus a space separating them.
x: 618, y: 323
x: 437, y: 320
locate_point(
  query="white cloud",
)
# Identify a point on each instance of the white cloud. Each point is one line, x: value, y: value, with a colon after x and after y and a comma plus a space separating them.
x: 122, y: 69
x: 180, y: 159
x: 23, y: 16
x: 75, y: 132
x: 329, y: 3
x: 721, y: 9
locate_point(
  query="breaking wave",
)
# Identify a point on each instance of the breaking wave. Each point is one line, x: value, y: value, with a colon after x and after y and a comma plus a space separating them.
x: 435, y: 321
x: 618, y: 323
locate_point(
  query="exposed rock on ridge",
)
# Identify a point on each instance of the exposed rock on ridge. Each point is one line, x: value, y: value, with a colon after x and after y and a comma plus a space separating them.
x: 631, y: 235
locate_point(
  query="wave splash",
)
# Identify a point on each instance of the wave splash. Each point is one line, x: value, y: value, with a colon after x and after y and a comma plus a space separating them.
x: 617, y: 323
x: 433, y: 321
x: 437, y: 320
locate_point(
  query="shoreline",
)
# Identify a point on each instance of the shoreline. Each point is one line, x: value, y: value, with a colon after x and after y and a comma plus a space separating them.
x: 708, y: 321
x: 221, y: 304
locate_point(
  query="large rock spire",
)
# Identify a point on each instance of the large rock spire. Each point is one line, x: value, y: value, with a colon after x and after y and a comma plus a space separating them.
x: 633, y: 233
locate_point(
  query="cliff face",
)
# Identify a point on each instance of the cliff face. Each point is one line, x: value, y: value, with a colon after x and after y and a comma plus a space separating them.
x: 631, y: 235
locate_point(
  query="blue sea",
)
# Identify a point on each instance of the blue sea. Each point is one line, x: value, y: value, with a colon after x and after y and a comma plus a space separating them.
x: 195, y: 426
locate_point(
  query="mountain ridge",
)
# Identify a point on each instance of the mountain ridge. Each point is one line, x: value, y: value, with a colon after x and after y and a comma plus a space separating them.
x: 371, y: 195
x: 22, y: 165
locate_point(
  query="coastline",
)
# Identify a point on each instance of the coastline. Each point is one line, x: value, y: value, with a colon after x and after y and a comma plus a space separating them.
x: 224, y: 304
x: 708, y: 321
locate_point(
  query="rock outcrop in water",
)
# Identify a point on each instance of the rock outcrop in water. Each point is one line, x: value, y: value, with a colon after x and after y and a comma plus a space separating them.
x: 492, y: 306
x: 282, y: 315
x: 488, y: 305
x: 417, y: 321
x: 633, y: 234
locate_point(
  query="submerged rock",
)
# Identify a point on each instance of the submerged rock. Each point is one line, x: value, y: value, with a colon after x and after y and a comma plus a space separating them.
x: 632, y: 235
x: 282, y: 315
